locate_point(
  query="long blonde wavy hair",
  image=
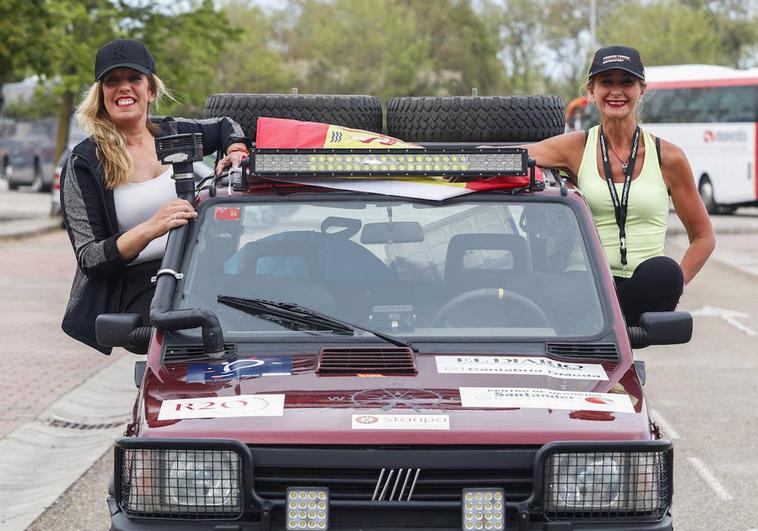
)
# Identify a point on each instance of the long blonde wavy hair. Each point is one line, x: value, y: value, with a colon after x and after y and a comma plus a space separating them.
x: 110, y: 141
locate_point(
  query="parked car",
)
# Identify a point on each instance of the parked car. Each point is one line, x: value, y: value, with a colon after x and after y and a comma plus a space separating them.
x: 331, y: 352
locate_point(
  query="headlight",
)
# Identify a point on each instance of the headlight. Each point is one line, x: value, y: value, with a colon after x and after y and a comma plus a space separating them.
x: 184, y: 483
x: 591, y: 484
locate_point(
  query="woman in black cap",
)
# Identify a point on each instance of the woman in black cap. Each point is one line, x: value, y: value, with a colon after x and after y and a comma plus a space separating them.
x: 627, y: 176
x: 118, y: 200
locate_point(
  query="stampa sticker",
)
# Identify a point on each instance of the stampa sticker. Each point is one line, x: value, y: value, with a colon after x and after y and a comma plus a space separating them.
x: 507, y: 397
x: 223, y: 406
x: 401, y: 422
x: 526, y: 366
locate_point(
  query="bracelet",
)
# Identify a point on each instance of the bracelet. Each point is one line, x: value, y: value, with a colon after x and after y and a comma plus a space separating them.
x: 240, y: 149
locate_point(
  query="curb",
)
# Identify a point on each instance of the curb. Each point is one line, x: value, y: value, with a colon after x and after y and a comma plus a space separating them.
x: 17, y: 229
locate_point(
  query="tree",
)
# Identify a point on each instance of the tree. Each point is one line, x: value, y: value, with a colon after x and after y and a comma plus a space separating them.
x: 23, y: 26
x: 354, y: 47
x: 253, y: 63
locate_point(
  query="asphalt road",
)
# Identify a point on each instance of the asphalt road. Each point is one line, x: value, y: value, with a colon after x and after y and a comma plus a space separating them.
x: 703, y: 393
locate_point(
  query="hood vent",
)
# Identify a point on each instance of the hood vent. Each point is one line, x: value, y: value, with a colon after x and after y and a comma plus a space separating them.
x: 193, y: 352
x: 347, y: 361
x: 598, y: 351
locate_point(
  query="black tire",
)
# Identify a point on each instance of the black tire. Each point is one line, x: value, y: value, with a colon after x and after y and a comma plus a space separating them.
x: 475, y: 118
x: 358, y: 112
x: 12, y: 185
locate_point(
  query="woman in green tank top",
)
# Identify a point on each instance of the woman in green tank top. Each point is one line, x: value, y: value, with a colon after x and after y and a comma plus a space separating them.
x: 626, y: 176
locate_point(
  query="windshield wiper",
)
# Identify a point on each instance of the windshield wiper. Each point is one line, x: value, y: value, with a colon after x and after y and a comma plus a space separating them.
x: 296, y: 317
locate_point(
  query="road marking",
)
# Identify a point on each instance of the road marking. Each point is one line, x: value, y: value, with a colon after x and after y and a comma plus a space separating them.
x: 664, y: 425
x: 730, y: 316
x: 710, y: 479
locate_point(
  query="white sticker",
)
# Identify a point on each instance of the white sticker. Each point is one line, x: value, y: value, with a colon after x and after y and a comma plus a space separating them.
x: 504, y: 397
x: 401, y: 422
x: 223, y: 406
x: 526, y: 366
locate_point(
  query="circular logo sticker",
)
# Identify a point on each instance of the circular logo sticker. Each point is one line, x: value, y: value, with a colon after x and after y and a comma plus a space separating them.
x: 367, y: 419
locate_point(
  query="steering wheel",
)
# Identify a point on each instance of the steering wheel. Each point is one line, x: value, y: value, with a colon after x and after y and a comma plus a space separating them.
x: 506, y: 297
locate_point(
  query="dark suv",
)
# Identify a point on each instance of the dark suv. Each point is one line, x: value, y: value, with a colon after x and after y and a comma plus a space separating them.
x: 337, y: 359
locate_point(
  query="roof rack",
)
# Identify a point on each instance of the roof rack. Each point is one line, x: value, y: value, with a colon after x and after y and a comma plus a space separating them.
x: 460, y: 164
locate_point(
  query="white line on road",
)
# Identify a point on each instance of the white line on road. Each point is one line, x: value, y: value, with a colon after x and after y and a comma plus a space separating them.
x: 665, y: 426
x: 728, y: 316
x: 710, y: 479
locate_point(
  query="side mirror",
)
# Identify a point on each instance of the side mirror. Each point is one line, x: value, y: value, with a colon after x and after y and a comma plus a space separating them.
x: 661, y: 328
x: 121, y: 330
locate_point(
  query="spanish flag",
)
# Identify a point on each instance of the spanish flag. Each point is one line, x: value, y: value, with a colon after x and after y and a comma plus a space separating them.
x: 287, y: 134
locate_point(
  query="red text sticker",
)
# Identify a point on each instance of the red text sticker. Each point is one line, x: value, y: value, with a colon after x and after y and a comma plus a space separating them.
x: 226, y: 214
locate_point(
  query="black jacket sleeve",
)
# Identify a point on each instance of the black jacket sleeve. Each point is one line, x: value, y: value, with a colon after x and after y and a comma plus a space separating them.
x: 218, y: 133
x: 83, y: 207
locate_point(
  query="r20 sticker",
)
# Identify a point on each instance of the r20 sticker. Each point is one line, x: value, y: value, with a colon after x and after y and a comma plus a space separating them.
x: 223, y: 406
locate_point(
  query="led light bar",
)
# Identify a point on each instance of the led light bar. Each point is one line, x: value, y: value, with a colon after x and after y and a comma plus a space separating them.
x: 307, y: 508
x: 458, y: 164
x: 483, y: 509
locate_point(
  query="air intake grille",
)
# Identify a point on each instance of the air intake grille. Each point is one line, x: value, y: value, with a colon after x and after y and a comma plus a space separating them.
x: 336, y: 361
x: 193, y: 352
x: 601, y: 351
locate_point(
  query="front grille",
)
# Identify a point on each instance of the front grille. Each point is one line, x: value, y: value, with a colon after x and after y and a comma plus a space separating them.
x: 362, y: 475
x: 583, y: 351
x: 361, y: 483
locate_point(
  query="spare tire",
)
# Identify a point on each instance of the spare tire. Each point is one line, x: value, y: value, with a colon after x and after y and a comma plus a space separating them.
x: 358, y: 112
x: 475, y: 118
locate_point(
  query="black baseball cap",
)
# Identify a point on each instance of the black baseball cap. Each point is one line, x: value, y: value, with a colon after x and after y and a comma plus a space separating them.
x: 123, y: 53
x: 617, y: 57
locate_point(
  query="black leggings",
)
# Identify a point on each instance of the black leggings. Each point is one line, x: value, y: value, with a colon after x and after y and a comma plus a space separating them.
x: 655, y: 286
x: 137, y: 293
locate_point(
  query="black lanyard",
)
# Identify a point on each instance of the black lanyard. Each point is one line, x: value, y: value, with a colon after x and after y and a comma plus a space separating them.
x: 620, y: 206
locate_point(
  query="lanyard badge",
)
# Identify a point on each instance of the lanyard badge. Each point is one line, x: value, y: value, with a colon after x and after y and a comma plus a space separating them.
x: 620, y: 205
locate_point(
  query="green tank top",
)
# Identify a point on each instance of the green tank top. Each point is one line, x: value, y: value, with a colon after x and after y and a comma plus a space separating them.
x: 647, y: 213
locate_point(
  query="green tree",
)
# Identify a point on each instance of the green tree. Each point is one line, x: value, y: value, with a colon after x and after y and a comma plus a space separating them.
x: 463, y: 45
x: 254, y: 62
x: 354, y: 47
x: 23, y: 26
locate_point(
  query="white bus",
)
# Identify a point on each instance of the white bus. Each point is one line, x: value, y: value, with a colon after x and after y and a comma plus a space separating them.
x: 711, y: 112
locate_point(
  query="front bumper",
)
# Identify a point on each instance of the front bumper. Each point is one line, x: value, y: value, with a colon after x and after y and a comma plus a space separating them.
x: 436, y: 505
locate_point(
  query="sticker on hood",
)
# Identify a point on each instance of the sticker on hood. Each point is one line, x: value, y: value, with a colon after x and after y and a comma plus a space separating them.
x: 526, y: 366
x: 248, y: 367
x: 514, y: 397
x: 223, y: 406
x: 401, y: 422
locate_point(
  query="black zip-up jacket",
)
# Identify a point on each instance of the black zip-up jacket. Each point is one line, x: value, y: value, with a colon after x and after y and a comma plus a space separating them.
x: 89, y: 213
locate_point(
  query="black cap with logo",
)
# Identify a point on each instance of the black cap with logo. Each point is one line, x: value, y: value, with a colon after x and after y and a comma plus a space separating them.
x: 617, y: 57
x: 123, y: 53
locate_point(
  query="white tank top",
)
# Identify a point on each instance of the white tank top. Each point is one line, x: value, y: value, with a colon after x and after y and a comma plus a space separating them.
x: 137, y: 202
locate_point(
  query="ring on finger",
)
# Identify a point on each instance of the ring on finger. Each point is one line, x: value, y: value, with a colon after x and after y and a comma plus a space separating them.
x: 175, y: 216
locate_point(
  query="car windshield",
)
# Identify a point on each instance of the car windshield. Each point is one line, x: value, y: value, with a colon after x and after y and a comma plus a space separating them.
x: 464, y: 269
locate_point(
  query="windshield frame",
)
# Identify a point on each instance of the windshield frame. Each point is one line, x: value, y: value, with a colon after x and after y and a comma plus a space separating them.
x: 594, y: 255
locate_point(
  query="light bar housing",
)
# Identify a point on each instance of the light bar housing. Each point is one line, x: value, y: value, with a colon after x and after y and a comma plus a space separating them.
x: 454, y: 164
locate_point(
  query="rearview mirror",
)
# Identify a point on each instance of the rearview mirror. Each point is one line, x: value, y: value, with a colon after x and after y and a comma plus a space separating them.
x: 661, y: 328
x: 392, y: 232
x: 121, y: 330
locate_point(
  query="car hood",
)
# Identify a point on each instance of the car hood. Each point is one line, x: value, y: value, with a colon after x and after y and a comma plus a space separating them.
x: 485, y: 400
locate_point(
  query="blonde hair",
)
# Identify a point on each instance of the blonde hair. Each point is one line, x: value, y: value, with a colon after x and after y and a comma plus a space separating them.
x: 110, y: 142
